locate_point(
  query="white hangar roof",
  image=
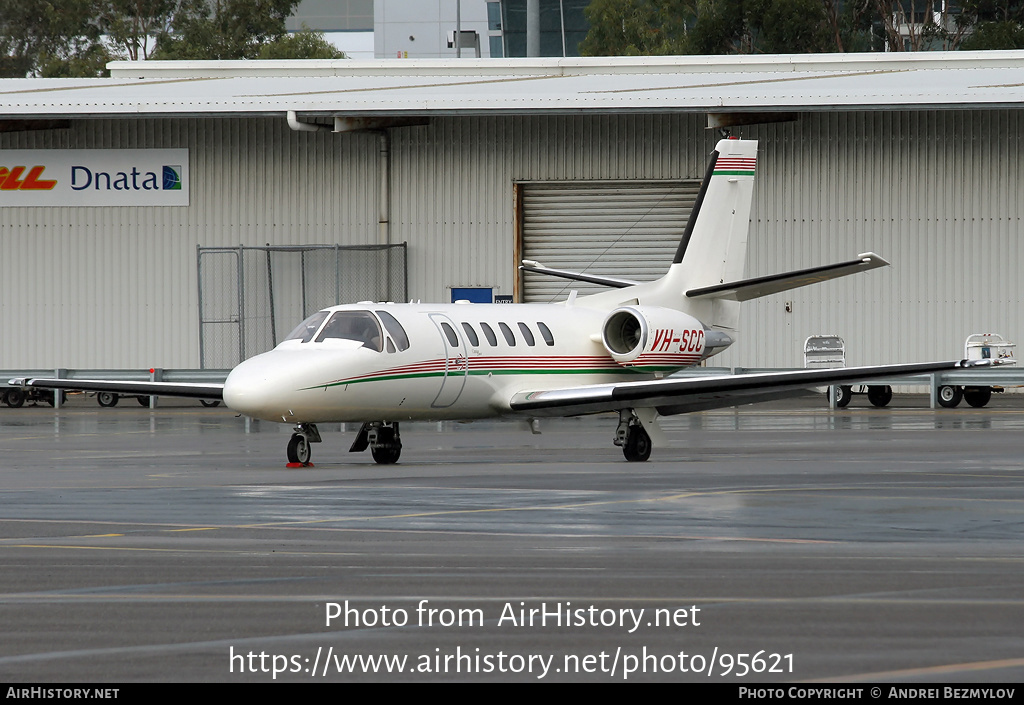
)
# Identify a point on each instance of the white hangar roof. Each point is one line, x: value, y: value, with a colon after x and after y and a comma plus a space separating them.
x: 801, y: 83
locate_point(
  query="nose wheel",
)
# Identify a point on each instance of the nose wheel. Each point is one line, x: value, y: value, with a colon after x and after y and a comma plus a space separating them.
x: 299, y: 451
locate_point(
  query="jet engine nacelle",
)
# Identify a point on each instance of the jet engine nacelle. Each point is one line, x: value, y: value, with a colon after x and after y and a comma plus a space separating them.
x: 653, y: 337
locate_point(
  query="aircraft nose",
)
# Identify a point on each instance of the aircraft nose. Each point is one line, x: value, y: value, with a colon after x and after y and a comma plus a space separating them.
x: 251, y: 388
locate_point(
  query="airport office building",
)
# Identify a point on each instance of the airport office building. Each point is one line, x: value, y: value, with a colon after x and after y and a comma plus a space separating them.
x: 186, y: 214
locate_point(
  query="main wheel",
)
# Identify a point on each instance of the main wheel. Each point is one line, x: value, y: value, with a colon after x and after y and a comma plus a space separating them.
x: 385, y: 456
x: 638, y: 445
x: 298, y: 449
x: 209, y: 403
x: 844, y: 394
x: 978, y: 396
x: 950, y: 396
x: 107, y: 399
x: 15, y: 398
x: 880, y: 395
x: 143, y: 401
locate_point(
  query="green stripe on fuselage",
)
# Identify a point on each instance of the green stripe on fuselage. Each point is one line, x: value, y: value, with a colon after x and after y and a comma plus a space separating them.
x: 480, y: 373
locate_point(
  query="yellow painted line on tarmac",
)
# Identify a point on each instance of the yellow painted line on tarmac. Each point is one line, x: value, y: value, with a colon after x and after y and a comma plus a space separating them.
x: 947, y: 669
x: 198, y: 528
x: 101, y: 536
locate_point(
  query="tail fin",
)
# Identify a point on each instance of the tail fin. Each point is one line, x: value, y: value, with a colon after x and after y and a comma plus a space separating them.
x: 713, y: 249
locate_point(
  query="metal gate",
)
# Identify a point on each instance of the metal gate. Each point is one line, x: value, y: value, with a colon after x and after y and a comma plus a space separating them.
x: 627, y: 229
x: 251, y: 297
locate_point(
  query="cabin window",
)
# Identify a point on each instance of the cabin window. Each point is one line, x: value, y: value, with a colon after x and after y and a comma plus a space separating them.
x: 507, y: 332
x: 360, y: 326
x: 527, y: 334
x: 390, y: 345
x: 307, y: 329
x: 471, y: 334
x: 546, y: 333
x: 489, y: 334
x: 449, y: 333
x: 395, y: 330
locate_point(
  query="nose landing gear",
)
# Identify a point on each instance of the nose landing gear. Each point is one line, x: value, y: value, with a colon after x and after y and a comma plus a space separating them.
x: 299, y: 451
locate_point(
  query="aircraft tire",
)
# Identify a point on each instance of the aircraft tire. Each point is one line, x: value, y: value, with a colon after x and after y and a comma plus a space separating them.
x: 107, y: 399
x: 978, y: 396
x: 385, y: 456
x: 209, y: 403
x: 143, y: 401
x: 637, y: 448
x: 949, y: 396
x: 880, y: 395
x: 298, y: 449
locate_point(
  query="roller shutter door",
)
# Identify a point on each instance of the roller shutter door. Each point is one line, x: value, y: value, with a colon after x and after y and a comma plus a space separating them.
x: 619, y: 229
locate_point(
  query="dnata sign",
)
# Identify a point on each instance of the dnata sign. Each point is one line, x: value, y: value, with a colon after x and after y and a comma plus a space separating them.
x: 94, y: 177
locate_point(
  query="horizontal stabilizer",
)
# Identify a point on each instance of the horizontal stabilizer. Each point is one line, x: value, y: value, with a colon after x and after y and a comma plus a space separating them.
x: 167, y: 389
x: 763, y: 286
x: 538, y: 268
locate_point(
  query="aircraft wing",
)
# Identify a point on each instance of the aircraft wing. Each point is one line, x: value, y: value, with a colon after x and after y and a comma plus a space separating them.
x: 196, y: 390
x: 679, y: 396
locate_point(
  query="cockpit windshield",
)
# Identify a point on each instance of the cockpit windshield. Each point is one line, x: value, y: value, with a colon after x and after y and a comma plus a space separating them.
x: 307, y: 329
x: 360, y: 326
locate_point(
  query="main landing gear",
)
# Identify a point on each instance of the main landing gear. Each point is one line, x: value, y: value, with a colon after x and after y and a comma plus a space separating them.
x: 383, y: 440
x: 630, y: 434
x: 299, y: 451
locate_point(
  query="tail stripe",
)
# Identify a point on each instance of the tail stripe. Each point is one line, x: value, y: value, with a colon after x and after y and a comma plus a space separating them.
x: 735, y: 166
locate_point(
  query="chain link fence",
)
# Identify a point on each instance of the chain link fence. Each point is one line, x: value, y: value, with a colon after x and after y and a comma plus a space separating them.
x: 250, y: 298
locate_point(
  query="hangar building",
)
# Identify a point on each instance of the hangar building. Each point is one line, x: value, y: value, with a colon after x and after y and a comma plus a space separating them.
x: 187, y: 237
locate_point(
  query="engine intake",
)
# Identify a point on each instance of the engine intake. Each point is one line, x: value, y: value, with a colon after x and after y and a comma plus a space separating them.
x: 652, y: 338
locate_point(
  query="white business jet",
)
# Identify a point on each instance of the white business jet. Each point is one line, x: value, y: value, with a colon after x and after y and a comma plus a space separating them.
x: 380, y: 364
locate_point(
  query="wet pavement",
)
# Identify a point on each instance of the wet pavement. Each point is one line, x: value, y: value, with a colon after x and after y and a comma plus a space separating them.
x: 174, y: 545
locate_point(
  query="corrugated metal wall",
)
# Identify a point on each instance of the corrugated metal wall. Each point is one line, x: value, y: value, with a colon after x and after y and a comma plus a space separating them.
x: 116, y: 286
x: 935, y: 192
x: 453, y: 196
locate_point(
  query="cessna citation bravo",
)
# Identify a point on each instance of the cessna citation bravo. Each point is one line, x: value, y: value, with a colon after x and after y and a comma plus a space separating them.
x: 380, y: 364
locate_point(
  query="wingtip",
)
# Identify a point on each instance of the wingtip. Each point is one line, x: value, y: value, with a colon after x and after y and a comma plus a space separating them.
x: 873, y: 258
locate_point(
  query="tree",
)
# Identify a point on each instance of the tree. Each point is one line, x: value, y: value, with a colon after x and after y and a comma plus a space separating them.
x: 637, y: 27
x: 790, y: 26
x: 721, y: 28
x: 851, y: 24
x: 51, y: 38
x: 223, y: 29
x: 995, y: 35
x: 133, y: 26
x: 78, y: 37
x: 304, y: 44
x: 644, y: 27
x: 919, y: 25
x: 994, y: 24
